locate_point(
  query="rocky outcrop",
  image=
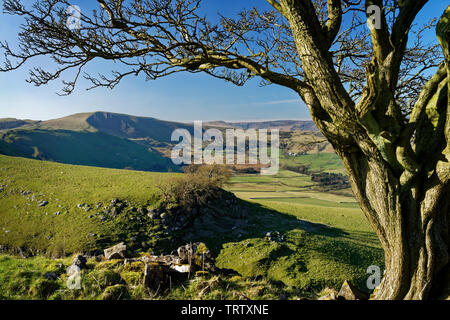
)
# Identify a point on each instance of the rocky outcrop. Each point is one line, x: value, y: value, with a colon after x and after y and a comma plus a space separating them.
x: 347, y: 292
x: 162, y: 271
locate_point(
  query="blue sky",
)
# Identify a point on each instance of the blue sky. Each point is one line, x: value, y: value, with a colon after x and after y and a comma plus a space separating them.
x: 180, y: 97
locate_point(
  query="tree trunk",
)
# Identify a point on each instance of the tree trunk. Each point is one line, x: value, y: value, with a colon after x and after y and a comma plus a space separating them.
x: 412, y: 224
x: 399, y: 172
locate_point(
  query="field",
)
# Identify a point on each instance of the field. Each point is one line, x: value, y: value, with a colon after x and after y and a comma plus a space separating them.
x: 318, y: 162
x: 326, y: 237
x: 339, y: 243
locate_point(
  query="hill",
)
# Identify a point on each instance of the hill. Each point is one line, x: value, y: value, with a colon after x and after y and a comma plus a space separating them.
x: 282, y: 125
x: 114, y: 140
x: 83, y: 148
x: 10, y: 123
x: 119, y: 125
x: 59, y: 209
x: 94, y: 139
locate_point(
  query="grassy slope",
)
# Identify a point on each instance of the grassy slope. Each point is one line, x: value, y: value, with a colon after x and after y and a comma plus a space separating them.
x: 9, y: 123
x: 335, y: 245
x: 84, y: 148
x: 133, y: 127
x: 75, y: 122
x: 339, y: 245
x: 64, y: 187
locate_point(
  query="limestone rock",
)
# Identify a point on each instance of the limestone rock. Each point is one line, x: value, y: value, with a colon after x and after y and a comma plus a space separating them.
x: 350, y: 292
x: 119, y: 251
x: 330, y: 296
x: 183, y: 268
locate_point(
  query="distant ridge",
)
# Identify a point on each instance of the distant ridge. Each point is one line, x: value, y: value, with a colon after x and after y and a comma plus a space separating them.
x: 135, y: 127
x: 113, y: 140
x: 282, y: 125
x: 10, y: 123
x: 115, y: 124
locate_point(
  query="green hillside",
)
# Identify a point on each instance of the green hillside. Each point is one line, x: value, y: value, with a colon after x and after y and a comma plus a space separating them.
x: 325, y: 242
x: 315, y: 162
x: 133, y: 127
x: 83, y: 148
x: 62, y: 226
x: 94, y: 139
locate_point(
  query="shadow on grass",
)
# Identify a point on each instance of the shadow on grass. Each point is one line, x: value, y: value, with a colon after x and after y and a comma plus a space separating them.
x: 252, y: 221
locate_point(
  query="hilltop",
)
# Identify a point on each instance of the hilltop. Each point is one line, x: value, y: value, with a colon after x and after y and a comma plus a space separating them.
x: 95, y: 139
x: 113, y: 140
x: 115, y: 124
x: 10, y: 123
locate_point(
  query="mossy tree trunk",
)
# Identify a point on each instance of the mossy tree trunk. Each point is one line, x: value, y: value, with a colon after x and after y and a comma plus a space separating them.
x: 399, y: 171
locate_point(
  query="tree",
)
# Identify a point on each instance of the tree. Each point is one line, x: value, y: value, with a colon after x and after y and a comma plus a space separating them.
x: 389, y: 122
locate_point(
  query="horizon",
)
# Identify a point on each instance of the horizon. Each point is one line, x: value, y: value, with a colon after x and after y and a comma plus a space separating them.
x: 148, y: 116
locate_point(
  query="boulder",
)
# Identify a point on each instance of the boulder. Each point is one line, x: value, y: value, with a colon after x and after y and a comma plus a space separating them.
x: 167, y: 259
x: 330, y: 296
x: 198, y: 255
x: 183, y: 268
x: 185, y: 253
x: 119, y: 251
x: 350, y: 292
x: 42, y: 203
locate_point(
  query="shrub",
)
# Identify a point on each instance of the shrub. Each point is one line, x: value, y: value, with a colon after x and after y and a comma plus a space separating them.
x: 197, y: 186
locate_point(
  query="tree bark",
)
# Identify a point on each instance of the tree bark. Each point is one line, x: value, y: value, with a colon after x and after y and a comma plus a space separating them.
x: 399, y: 171
x: 413, y: 227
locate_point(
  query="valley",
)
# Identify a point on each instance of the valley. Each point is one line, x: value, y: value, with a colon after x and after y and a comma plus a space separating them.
x: 92, y: 181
